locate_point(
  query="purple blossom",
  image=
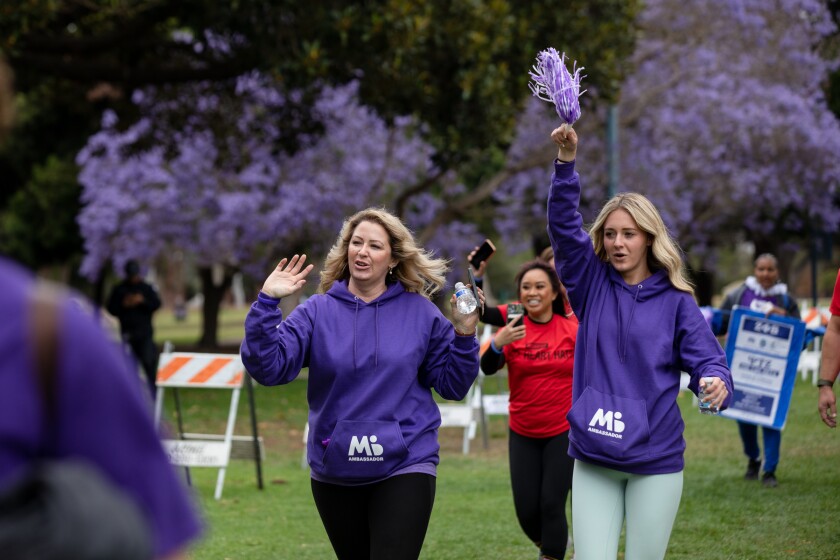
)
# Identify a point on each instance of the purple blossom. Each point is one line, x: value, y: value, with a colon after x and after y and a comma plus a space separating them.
x: 722, y: 163
x: 225, y: 195
x: 552, y: 82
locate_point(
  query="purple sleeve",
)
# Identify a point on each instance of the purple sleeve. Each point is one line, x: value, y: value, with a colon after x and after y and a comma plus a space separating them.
x: 451, y: 362
x: 700, y: 352
x: 274, y: 351
x: 105, y: 417
x: 573, y: 252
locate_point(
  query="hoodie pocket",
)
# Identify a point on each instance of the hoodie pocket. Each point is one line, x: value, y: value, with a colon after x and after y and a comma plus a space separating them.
x: 610, y: 428
x: 363, y: 450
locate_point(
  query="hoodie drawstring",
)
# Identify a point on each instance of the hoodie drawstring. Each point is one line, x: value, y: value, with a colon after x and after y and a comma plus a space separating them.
x: 355, y: 333
x: 622, y: 341
x: 375, y: 334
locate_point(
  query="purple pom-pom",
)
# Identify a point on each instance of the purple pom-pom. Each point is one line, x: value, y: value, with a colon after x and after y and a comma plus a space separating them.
x: 552, y: 82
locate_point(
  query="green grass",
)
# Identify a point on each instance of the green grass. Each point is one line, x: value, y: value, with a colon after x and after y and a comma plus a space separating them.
x: 187, y: 332
x: 721, y: 516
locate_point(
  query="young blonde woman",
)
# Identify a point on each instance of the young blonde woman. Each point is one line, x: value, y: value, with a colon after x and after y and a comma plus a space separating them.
x: 375, y: 346
x: 639, y: 328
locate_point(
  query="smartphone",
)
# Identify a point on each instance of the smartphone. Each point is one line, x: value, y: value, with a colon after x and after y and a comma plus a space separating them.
x: 515, y: 313
x: 484, y: 252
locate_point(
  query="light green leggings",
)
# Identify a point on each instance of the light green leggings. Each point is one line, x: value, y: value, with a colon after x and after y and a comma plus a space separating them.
x: 602, y: 499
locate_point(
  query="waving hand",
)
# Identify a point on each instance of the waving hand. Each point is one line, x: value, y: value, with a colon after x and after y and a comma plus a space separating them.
x: 287, y: 278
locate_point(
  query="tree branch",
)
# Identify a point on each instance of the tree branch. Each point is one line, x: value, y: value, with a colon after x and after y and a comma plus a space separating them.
x: 484, y: 190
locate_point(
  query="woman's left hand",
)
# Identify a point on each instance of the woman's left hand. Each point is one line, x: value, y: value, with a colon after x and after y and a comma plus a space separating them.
x: 465, y: 324
x: 715, y: 390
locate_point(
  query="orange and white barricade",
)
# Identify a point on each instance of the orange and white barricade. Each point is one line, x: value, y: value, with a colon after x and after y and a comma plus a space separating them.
x: 206, y: 371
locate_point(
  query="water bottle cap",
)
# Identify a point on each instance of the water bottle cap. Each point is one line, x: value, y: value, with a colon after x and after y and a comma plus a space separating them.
x: 459, y: 285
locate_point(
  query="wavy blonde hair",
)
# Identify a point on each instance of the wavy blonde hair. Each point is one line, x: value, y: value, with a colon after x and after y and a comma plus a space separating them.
x: 664, y: 253
x: 417, y: 269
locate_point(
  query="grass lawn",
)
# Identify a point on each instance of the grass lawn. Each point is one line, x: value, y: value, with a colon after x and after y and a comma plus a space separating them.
x: 721, y: 516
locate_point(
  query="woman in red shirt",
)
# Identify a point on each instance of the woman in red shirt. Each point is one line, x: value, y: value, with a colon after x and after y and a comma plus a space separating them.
x: 538, y: 350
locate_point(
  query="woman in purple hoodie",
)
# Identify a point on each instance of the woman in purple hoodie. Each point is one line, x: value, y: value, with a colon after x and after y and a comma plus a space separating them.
x: 375, y: 346
x: 639, y: 328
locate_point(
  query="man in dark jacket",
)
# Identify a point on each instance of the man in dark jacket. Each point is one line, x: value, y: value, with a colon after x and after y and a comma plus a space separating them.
x: 133, y: 301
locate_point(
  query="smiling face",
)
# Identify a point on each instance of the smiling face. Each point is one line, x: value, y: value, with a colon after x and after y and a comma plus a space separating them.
x: 766, y: 271
x: 536, y: 294
x: 626, y: 246
x: 368, y: 258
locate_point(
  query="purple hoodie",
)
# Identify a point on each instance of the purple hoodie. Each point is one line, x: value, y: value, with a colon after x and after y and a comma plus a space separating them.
x: 102, y: 415
x: 371, y: 368
x: 633, y: 342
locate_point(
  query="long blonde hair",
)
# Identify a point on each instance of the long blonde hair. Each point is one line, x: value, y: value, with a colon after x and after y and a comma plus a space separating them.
x: 663, y: 253
x: 417, y: 269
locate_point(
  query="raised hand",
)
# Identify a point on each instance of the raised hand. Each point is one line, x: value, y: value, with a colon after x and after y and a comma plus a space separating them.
x: 287, y: 278
x: 482, y: 268
x: 566, y: 138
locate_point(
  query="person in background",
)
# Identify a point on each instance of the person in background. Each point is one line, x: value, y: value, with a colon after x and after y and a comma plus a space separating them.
x: 765, y: 293
x: 538, y: 350
x: 375, y: 345
x: 497, y: 315
x: 98, y: 416
x: 830, y: 361
x: 133, y: 302
x: 639, y: 328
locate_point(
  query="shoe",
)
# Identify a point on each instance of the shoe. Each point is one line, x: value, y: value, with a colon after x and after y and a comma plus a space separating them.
x: 768, y: 479
x: 752, y: 470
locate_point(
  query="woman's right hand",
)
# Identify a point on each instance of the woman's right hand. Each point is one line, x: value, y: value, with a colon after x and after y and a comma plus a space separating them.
x: 287, y: 278
x: 566, y: 138
x: 509, y: 333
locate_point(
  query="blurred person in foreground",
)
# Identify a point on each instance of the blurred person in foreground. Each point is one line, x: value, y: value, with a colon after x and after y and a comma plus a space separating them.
x: 375, y: 346
x: 830, y: 361
x: 763, y: 292
x: 133, y: 302
x: 98, y: 414
x: 640, y: 327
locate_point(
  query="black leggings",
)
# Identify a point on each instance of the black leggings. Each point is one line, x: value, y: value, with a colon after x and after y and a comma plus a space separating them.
x: 541, y: 476
x: 382, y: 521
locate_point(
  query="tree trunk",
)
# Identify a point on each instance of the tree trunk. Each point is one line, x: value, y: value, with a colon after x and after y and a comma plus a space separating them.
x: 213, y: 287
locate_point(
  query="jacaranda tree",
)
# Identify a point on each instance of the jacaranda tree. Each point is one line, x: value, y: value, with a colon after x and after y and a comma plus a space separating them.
x: 219, y: 186
x: 723, y: 124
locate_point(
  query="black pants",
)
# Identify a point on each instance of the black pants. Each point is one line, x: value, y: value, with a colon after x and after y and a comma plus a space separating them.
x: 541, y: 477
x: 146, y: 353
x: 382, y: 521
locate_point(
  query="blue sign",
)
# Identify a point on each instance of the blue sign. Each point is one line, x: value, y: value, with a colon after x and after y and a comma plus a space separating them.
x: 763, y: 354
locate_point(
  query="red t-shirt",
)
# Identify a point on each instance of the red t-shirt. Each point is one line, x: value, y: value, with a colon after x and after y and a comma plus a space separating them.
x: 834, y: 308
x: 540, y: 376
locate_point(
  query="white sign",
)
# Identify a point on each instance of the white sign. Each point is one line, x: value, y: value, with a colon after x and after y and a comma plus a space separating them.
x: 195, y: 453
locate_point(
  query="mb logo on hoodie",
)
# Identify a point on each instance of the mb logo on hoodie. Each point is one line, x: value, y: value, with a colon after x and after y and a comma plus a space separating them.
x: 366, y: 448
x: 608, y: 423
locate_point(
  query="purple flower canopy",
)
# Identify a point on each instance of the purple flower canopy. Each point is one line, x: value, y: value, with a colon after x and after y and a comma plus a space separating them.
x: 552, y: 82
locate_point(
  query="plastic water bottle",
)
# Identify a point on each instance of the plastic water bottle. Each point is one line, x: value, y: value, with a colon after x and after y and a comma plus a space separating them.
x: 705, y: 407
x: 464, y: 299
